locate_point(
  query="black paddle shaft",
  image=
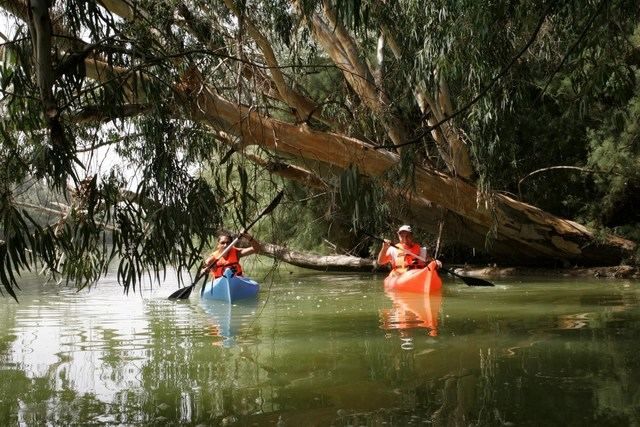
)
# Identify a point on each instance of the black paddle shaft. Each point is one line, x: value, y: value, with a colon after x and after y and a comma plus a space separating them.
x: 186, y: 291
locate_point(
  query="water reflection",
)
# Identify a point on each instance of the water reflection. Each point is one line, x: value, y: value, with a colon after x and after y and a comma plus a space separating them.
x: 70, y: 358
x: 412, y: 311
x: 318, y: 353
x: 230, y: 320
x: 79, y: 344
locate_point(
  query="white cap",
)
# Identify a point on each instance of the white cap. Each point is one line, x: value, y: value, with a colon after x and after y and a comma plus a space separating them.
x: 406, y: 228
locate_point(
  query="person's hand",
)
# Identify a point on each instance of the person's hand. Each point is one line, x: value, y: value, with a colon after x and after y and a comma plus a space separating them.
x: 438, y: 264
x: 257, y: 247
x: 386, y: 243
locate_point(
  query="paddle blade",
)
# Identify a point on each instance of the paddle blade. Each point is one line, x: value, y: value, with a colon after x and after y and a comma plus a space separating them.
x: 185, y: 292
x: 469, y: 281
x: 275, y: 202
x: 182, y: 293
x: 475, y: 281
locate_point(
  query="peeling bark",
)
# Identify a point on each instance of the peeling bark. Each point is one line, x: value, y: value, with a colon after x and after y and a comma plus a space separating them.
x: 341, y: 47
x: 40, y: 29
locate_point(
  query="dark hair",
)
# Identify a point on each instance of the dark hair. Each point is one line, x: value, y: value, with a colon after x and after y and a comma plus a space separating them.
x: 227, y: 235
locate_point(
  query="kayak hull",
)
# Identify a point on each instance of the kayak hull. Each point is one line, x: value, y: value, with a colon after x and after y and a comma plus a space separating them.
x: 230, y: 288
x: 424, y: 280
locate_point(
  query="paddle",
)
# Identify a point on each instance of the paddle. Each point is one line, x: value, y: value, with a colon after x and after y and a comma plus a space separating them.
x: 186, y: 291
x: 470, y: 281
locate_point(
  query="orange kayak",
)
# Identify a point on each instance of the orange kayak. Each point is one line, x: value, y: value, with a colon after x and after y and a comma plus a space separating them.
x: 424, y: 280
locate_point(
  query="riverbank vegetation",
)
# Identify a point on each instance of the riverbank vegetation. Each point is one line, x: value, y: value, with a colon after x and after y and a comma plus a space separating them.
x: 505, y: 132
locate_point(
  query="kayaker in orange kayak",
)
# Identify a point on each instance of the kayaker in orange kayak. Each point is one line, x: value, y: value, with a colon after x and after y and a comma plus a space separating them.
x: 403, y: 259
x: 232, y: 257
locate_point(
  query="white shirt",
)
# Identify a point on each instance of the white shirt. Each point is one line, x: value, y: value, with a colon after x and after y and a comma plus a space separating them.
x: 392, y: 252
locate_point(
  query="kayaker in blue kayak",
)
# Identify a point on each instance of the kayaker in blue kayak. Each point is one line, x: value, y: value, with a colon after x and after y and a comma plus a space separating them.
x: 232, y: 258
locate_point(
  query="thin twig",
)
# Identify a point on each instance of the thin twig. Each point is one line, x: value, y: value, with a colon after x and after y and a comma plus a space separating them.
x: 552, y: 168
x: 583, y: 34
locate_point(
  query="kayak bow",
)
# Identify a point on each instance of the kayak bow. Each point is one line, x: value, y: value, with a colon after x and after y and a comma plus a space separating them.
x: 230, y: 288
x: 422, y: 280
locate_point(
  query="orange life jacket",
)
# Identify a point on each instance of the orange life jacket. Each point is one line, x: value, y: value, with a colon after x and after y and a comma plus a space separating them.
x: 230, y: 260
x: 404, y: 259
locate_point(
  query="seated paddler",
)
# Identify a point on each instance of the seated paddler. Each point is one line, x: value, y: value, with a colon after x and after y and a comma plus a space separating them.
x: 229, y: 257
x: 405, y: 255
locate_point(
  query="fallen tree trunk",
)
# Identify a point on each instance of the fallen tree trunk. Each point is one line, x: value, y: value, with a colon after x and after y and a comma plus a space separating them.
x: 516, y: 232
x: 509, y: 230
x: 345, y: 263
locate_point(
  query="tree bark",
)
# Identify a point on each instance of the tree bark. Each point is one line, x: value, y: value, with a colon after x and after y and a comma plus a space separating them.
x: 515, y: 231
x: 344, y: 263
x: 452, y: 149
x: 341, y: 48
x: 40, y: 29
x: 522, y: 233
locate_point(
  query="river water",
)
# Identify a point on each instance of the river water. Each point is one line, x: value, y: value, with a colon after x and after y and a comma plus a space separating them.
x: 323, y: 349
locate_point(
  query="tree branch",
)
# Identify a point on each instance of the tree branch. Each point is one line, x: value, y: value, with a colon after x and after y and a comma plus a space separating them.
x: 535, y: 172
x: 40, y: 28
x: 485, y: 90
x: 341, y: 48
x: 319, y: 262
x: 304, y: 108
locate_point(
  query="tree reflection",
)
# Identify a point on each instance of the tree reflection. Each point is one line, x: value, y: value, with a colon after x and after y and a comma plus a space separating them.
x: 323, y: 358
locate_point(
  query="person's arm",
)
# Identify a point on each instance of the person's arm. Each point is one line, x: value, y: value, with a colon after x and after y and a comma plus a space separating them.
x: 207, y: 263
x: 254, y: 248
x: 417, y: 262
x: 383, y: 256
x: 429, y: 259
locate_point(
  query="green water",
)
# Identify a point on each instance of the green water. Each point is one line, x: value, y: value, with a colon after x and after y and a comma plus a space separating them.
x: 324, y: 349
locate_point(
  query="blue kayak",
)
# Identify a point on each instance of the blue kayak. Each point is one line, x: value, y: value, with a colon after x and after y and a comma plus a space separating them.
x: 230, y: 287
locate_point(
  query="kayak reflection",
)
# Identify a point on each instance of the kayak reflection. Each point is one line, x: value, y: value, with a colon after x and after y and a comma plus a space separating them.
x: 229, y: 320
x: 412, y: 311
